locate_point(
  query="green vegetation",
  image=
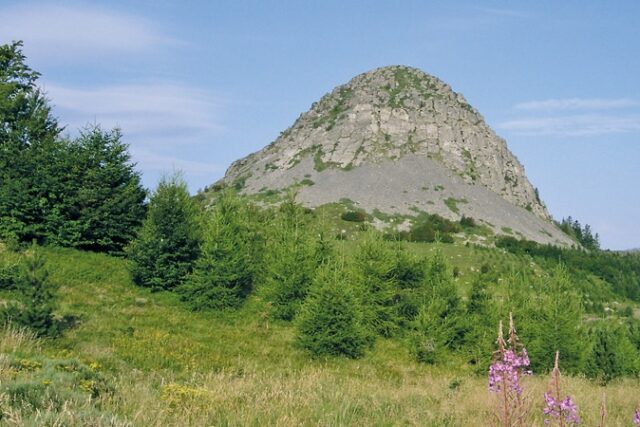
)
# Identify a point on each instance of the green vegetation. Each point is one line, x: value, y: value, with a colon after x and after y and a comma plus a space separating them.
x: 329, y: 120
x: 82, y: 193
x: 232, y: 303
x: 168, y: 243
x: 224, y: 274
x: 452, y: 204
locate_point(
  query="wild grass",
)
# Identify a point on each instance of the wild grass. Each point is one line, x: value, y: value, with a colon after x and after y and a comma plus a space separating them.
x: 162, y: 365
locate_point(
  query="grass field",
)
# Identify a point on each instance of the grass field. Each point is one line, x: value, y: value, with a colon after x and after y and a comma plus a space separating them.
x: 141, y: 358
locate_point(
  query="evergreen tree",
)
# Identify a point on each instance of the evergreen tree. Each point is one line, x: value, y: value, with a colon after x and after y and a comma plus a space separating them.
x: 480, y: 320
x: 37, y: 297
x: 28, y: 148
x: 372, y: 273
x: 103, y: 204
x: 224, y: 274
x: 81, y: 193
x: 167, y: 245
x: 330, y: 321
x: 552, y: 321
x: 612, y: 354
x: 293, y: 253
x: 438, y: 327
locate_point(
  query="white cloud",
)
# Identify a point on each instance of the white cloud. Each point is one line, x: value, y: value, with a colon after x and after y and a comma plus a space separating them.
x: 65, y: 33
x: 574, y: 125
x: 150, y: 112
x: 150, y: 161
x: 577, y: 104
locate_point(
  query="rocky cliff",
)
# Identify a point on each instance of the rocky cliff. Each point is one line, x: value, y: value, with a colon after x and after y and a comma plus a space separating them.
x: 399, y: 140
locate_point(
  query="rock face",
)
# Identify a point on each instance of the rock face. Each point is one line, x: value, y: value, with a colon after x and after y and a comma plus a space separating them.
x: 399, y: 140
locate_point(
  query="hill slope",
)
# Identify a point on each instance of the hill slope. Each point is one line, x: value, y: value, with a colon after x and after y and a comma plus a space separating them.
x: 399, y: 140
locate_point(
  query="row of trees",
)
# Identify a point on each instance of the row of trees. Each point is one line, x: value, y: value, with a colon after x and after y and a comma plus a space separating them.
x: 342, y: 297
x: 82, y: 192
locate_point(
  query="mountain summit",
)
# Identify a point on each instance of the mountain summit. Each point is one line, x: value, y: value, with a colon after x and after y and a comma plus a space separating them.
x: 401, y: 141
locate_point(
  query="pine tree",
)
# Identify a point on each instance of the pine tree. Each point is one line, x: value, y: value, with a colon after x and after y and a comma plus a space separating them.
x: 552, y: 321
x: 168, y: 242
x: 294, y: 251
x: 612, y: 354
x: 102, y: 206
x: 372, y: 274
x: 224, y: 274
x: 330, y: 321
x: 37, y: 297
x: 28, y: 148
x: 438, y: 327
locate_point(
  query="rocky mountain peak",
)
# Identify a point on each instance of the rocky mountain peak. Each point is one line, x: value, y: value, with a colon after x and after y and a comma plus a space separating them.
x: 391, y: 118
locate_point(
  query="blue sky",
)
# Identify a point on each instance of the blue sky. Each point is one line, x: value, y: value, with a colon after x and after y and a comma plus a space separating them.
x: 195, y: 85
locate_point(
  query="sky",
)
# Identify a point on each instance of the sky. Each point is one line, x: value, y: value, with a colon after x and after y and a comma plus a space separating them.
x: 195, y: 85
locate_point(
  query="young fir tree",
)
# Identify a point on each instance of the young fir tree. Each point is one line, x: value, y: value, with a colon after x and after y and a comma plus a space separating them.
x: 372, y: 274
x: 37, y: 297
x: 168, y: 243
x: 552, y: 321
x: 480, y: 320
x: 612, y: 354
x: 224, y: 274
x: 438, y: 325
x: 330, y: 320
x: 290, y: 260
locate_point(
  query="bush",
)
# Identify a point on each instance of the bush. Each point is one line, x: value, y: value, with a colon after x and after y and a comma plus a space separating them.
x: 167, y: 246
x: 354, y: 216
x: 330, y: 321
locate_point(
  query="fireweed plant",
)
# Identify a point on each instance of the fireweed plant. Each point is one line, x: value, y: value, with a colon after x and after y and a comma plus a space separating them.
x: 510, y: 364
x: 562, y: 411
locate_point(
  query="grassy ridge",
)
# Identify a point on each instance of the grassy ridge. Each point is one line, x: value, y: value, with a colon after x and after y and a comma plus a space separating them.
x: 165, y: 365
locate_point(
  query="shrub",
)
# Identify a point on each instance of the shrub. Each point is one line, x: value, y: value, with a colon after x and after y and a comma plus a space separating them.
x: 354, y: 216
x: 330, y: 321
x: 168, y: 243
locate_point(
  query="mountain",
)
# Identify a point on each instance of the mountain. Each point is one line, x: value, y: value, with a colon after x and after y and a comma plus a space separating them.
x: 400, y: 141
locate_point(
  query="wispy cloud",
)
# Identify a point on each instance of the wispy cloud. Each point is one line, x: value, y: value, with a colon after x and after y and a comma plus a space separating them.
x: 77, y: 33
x: 574, y: 125
x: 577, y: 104
x: 150, y: 112
x: 150, y: 161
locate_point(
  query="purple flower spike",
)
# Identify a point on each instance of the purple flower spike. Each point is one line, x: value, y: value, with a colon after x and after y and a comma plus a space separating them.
x: 636, y: 417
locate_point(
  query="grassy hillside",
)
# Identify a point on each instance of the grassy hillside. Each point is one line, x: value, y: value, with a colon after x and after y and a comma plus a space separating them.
x: 142, y: 358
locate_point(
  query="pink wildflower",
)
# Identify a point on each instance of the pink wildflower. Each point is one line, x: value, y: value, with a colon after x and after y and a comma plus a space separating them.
x: 562, y: 410
x: 636, y: 417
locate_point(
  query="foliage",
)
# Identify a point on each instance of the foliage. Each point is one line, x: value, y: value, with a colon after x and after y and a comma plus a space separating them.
x: 438, y: 327
x: 83, y: 193
x: 292, y: 255
x: 330, y: 322
x: 224, y: 273
x: 37, y: 299
x: 167, y: 245
x: 354, y: 216
x: 551, y: 320
x: 102, y: 202
x: 583, y: 235
x: 372, y: 277
x: 612, y: 353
